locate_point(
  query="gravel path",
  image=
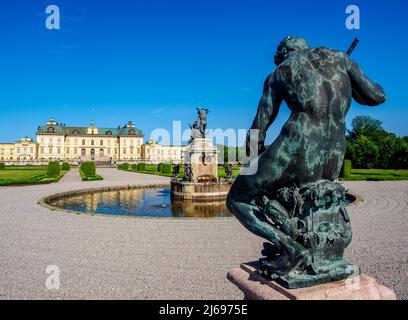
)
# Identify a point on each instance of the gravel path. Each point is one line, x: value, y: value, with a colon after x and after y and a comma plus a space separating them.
x: 102, y: 257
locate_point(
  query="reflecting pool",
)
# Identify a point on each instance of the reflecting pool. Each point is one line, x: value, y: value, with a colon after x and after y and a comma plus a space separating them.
x: 148, y: 202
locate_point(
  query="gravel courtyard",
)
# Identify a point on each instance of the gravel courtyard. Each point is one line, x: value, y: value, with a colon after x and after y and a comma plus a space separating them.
x: 102, y: 257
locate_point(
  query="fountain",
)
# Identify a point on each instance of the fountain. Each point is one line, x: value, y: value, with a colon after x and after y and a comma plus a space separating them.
x: 201, y: 181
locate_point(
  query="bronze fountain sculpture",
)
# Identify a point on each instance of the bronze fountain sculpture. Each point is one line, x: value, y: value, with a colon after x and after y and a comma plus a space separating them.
x: 294, y: 199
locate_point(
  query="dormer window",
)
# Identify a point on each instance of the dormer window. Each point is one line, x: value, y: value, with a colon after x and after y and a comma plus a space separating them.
x: 75, y: 132
x: 50, y: 129
x: 108, y: 133
x: 131, y: 131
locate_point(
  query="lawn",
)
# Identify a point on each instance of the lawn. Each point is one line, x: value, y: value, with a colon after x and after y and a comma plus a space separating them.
x: 377, y: 175
x: 152, y: 169
x: 25, y: 175
x: 356, y: 174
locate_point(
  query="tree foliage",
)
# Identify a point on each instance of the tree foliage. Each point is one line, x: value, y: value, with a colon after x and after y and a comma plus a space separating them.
x: 370, y: 146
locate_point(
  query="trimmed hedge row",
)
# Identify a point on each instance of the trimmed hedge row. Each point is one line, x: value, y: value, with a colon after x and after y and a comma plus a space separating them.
x: 65, y: 166
x: 346, y: 169
x: 123, y: 166
x: 2, y: 166
x: 88, y: 168
x: 87, y: 171
x: 141, y: 167
x: 53, y: 169
x: 167, y: 168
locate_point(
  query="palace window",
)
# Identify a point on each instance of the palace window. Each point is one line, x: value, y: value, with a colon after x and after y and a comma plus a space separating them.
x: 51, y: 129
x: 92, y: 142
x: 83, y: 142
x: 124, y: 150
x: 108, y: 133
x: 58, y: 150
x: 101, y: 142
x: 42, y: 149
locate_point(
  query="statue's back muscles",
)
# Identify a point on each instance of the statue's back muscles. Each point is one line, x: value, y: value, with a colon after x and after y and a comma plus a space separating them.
x: 315, y: 81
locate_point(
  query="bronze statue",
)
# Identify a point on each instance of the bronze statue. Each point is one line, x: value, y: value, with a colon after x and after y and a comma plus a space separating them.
x: 294, y: 200
x: 202, y: 118
x: 176, y: 171
x: 228, y: 171
x: 195, y: 132
x: 188, y: 174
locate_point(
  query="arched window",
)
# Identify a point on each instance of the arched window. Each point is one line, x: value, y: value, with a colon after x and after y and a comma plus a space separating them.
x: 75, y: 132
x: 108, y: 133
x: 131, y: 131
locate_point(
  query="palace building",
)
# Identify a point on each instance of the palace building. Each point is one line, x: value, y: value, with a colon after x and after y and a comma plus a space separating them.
x: 57, y: 141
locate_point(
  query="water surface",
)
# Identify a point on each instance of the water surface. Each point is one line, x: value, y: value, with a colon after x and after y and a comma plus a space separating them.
x: 149, y: 202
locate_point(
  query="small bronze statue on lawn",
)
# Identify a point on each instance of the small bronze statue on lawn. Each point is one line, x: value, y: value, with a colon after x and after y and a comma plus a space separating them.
x: 294, y: 199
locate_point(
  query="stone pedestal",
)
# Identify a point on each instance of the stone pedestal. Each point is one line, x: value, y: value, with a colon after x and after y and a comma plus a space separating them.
x: 202, y: 156
x: 200, y: 191
x: 256, y: 287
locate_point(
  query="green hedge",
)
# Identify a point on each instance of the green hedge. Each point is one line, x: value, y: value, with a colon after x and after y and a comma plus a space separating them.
x: 88, y: 172
x: 2, y: 166
x: 53, y: 169
x: 141, y: 167
x: 167, y: 168
x: 134, y: 167
x: 65, y: 166
x: 90, y: 178
x: 123, y: 166
x: 160, y: 167
x: 346, y: 169
x: 88, y: 169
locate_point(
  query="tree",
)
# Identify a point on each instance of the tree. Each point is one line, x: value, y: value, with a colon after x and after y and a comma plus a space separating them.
x: 365, y: 153
x: 369, y: 127
x: 387, y: 149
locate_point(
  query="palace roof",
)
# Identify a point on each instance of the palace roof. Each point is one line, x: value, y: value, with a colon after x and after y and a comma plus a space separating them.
x: 53, y: 127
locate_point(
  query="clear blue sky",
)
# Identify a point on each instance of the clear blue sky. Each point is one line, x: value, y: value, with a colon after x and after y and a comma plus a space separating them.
x: 154, y: 61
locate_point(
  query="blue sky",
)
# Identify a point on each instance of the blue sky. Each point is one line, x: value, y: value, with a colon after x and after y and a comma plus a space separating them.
x: 155, y: 61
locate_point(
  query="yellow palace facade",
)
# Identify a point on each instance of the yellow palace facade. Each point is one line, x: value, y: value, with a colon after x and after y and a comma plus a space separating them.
x: 57, y: 141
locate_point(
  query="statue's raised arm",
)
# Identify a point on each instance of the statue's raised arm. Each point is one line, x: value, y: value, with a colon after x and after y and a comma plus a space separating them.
x: 365, y: 91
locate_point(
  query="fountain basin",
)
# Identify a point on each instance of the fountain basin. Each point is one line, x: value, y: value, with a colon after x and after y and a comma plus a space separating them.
x: 200, y: 190
x: 134, y: 201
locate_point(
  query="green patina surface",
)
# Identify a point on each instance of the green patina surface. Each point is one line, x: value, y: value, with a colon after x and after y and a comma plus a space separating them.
x: 289, y: 194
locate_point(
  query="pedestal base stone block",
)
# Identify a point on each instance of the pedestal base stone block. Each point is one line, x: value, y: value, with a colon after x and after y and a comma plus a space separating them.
x: 256, y: 287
